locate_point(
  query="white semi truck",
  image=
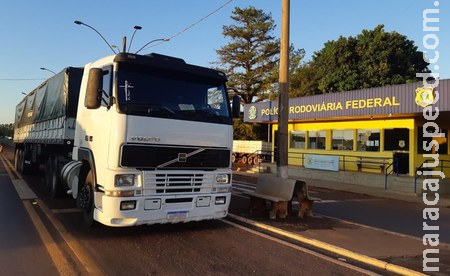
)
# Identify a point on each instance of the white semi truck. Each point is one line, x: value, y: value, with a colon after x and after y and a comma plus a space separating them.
x: 135, y: 139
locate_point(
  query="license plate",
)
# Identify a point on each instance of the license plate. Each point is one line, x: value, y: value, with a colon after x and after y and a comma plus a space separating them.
x: 177, y: 215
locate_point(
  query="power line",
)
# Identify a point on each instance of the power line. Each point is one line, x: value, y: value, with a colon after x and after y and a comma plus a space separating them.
x: 192, y: 25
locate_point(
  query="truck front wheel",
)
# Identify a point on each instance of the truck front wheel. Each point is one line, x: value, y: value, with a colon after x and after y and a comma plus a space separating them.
x: 86, y: 199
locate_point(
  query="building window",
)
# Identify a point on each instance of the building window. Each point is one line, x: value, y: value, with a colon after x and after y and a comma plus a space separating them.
x: 342, y: 139
x: 316, y: 139
x: 298, y: 139
x: 368, y: 140
x: 396, y: 139
x: 442, y: 141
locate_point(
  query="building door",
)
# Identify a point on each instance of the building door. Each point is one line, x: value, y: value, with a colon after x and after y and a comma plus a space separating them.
x: 397, y: 141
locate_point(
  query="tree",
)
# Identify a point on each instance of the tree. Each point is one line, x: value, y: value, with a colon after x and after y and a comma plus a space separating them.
x: 250, y: 57
x: 6, y: 130
x: 374, y: 58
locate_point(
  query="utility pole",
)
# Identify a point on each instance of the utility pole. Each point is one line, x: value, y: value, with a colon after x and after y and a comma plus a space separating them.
x: 283, y: 102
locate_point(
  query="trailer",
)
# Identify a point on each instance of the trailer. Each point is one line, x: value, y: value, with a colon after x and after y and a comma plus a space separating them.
x: 134, y: 139
x: 251, y: 152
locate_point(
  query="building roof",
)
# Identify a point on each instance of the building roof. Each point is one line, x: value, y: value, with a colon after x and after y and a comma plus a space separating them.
x: 388, y: 101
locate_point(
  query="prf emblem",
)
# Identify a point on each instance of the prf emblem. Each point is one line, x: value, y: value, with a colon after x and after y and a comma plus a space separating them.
x: 424, y: 96
x: 252, y: 112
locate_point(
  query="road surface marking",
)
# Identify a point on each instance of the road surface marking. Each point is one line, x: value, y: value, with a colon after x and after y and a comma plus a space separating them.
x: 76, y: 247
x: 295, y: 203
x: 381, y: 230
x: 58, y: 259
x: 302, y: 249
x: 331, y: 248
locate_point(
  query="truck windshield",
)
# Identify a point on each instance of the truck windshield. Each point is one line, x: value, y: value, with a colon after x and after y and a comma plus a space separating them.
x: 172, y: 95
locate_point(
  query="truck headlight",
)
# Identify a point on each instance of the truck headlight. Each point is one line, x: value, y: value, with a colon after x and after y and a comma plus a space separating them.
x: 122, y: 180
x: 222, y: 178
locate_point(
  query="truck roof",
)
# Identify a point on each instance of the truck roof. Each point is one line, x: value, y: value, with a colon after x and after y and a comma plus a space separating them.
x: 169, y: 63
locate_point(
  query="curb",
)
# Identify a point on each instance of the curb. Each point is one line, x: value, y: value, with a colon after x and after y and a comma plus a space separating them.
x: 331, y: 248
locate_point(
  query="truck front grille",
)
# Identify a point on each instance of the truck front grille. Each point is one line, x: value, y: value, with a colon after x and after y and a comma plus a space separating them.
x: 162, y: 183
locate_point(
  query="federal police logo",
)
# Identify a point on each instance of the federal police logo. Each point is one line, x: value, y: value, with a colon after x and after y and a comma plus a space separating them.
x: 424, y: 96
x: 252, y: 112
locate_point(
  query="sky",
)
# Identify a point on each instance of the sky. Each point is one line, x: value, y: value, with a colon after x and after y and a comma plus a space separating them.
x: 37, y: 34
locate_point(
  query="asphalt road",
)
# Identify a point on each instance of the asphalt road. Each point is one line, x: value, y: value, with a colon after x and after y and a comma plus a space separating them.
x: 209, y: 247
x: 21, y: 249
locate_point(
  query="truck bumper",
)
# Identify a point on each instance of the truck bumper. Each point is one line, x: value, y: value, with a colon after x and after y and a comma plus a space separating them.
x: 159, y: 210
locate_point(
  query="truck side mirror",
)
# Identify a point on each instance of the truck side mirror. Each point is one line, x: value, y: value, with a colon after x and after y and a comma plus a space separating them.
x: 94, y: 88
x: 236, y: 106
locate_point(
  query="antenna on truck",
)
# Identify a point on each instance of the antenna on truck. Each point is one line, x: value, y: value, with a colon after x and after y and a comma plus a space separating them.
x: 92, y: 28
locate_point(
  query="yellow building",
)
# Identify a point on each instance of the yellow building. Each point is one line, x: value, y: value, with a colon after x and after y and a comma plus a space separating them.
x: 388, y: 129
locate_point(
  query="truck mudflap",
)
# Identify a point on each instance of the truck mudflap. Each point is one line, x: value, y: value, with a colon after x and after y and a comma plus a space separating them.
x: 70, y: 173
x: 160, y: 210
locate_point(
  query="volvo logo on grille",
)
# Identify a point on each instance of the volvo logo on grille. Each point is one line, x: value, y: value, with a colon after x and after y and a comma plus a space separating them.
x: 182, y: 157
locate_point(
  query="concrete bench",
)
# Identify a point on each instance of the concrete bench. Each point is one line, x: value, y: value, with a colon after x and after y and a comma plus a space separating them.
x: 305, y: 200
x: 372, y: 163
x: 276, y: 190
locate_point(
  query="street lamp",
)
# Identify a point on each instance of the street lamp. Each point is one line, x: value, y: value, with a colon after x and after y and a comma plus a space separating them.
x: 45, y: 69
x: 81, y: 23
x: 136, y: 28
x: 154, y: 40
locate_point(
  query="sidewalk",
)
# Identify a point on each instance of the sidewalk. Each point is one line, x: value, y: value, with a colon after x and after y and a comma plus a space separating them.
x: 366, y: 242
x: 444, y: 200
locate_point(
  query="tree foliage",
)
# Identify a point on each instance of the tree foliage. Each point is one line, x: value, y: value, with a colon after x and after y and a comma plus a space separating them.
x: 6, y: 130
x: 251, y: 62
x: 251, y: 55
x: 374, y: 58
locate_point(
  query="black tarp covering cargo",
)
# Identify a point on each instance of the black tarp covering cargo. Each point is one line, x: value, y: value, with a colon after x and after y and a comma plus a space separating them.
x: 56, y: 97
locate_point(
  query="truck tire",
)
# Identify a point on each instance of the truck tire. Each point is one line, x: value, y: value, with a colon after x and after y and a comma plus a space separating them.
x: 25, y: 168
x: 85, y: 199
x: 56, y: 189
x: 48, y: 173
x: 244, y: 159
x: 257, y: 160
x: 250, y: 160
x: 16, y: 160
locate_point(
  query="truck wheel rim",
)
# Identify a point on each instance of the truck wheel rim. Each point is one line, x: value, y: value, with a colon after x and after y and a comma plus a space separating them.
x: 86, y: 198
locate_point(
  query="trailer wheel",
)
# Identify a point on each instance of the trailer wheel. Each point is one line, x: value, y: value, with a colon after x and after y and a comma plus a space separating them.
x: 25, y: 168
x: 16, y: 160
x: 257, y: 160
x: 86, y: 200
x: 48, y: 173
x: 55, y: 182
x: 244, y: 159
x: 250, y: 160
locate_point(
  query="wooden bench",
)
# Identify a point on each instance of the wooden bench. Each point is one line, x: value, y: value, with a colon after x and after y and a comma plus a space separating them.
x: 372, y: 163
x: 277, y: 191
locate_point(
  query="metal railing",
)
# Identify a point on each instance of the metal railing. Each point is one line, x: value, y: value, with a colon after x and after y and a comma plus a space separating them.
x: 346, y: 162
x: 443, y: 164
